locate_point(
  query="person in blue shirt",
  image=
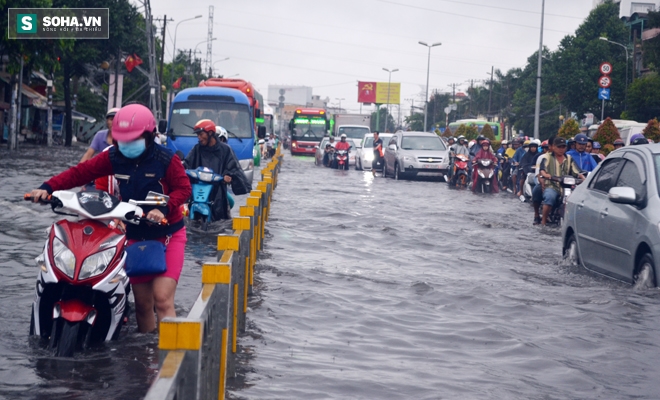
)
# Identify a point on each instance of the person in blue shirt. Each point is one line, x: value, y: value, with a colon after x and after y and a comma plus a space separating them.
x: 517, y: 157
x: 584, y: 160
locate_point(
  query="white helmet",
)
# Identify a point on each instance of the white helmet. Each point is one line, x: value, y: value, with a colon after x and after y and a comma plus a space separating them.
x: 537, y: 142
x: 220, y: 131
x: 343, y: 136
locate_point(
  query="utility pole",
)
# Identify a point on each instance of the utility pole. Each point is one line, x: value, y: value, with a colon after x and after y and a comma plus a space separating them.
x: 490, y: 92
x: 537, y: 111
x: 15, y: 94
x: 154, y: 85
x: 49, y: 128
x: 162, y: 57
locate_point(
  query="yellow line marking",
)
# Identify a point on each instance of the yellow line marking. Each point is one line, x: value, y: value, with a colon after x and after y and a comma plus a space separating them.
x: 171, y: 364
x: 245, y: 292
x: 233, y: 341
x: 223, y: 365
x: 207, y: 291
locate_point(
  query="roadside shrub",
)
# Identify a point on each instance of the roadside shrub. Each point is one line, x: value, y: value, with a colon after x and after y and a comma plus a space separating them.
x: 488, y: 132
x: 447, y: 132
x: 607, y: 134
x: 607, y: 149
x: 469, y: 131
x: 495, y: 144
x: 652, y: 130
x: 569, y: 129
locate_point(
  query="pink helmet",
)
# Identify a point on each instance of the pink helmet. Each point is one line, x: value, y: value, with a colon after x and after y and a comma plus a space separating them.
x: 131, y: 122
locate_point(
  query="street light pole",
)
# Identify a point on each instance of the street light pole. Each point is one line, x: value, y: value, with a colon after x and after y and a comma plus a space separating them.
x: 174, y: 46
x: 428, y: 71
x: 337, y: 98
x: 625, y: 106
x: 389, y: 88
x: 537, y: 111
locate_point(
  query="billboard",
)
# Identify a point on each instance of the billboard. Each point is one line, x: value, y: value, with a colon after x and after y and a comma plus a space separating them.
x: 379, y: 92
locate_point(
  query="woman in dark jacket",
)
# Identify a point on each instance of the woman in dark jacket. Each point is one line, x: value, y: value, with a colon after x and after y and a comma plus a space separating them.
x: 140, y: 166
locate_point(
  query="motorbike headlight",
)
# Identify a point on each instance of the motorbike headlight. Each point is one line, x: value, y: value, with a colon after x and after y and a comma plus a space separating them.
x: 64, y: 259
x: 206, y: 176
x: 246, y: 165
x: 96, y: 263
x: 569, y: 180
x: 369, y: 156
x: 486, y: 163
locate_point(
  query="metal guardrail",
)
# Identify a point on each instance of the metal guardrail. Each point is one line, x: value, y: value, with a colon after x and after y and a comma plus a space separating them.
x: 197, y: 352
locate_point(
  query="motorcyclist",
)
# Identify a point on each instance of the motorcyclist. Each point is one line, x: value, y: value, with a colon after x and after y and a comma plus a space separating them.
x: 484, y: 152
x: 537, y: 191
x: 222, y: 134
x: 544, y: 147
x: 332, y: 141
x: 618, y: 143
x: 378, y: 152
x: 528, y: 163
x: 475, y: 149
x: 515, y: 162
x: 638, y: 139
x: 343, y: 144
x: 503, y: 148
x: 584, y: 160
x: 571, y: 144
x: 595, y: 152
x: 555, y: 164
x: 103, y: 138
x: 327, y: 154
x: 211, y: 153
x: 451, y: 141
x: 461, y: 146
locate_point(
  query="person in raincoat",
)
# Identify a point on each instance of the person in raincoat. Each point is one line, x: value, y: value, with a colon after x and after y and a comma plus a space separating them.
x: 484, y: 152
x: 211, y: 153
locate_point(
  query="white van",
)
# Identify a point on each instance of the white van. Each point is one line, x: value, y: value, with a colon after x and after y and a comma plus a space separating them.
x: 626, y: 129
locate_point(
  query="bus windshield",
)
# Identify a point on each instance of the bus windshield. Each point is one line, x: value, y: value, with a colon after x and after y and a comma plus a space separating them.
x: 312, y: 129
x: 235, y: 118
x: 354, y: 132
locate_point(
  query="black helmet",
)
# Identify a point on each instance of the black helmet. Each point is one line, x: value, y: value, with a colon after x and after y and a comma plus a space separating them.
x: 481, y: 137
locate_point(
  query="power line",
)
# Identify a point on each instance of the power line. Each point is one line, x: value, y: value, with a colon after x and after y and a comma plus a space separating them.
x: 501, y: 8
x: 508, y: 23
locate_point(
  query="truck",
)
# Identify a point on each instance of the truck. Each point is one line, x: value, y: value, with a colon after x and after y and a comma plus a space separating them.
x: 355, y: 126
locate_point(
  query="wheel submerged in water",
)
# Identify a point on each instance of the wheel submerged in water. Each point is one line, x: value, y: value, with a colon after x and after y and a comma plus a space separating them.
x: 645, y: 277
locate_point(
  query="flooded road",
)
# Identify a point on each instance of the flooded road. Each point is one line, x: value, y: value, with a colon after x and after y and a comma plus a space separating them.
x: 367, y: 289
x: 378, y: 289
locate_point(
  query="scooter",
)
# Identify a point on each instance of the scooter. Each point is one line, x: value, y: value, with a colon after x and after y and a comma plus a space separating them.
x: 341, y: 159
x: 82, y: 289
x: 460, y: 177
x: 203, y: 181
x: 567, y: 184
x: 485, y: 171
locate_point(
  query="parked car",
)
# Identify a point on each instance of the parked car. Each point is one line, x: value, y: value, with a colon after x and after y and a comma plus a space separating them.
x: 365, y: 151
x: 611, y: 225
x: 411, y: 154
x: 318, y: 156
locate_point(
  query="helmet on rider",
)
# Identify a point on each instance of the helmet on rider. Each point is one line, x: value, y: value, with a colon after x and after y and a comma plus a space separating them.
x: 451, y: 138
x: 480, y: 138
x: 535, y: 142
x: 111, y: 112
x: 526, y: 144
x: 570, y: 141
x: 222, y: 133
x: 504, y: 142
x: 485, y: 142
x: 637, y: 139
x: 472, y: 142
x: 544, y: 144
x: 619, y: 143
x: 343, y: 137
x: 204, y: 125
x: 131, y: 122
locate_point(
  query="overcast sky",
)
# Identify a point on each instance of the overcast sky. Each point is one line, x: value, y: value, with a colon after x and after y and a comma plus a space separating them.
x: 331, y: 45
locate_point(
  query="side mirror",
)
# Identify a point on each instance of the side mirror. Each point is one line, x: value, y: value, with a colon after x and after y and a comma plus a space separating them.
x: 261, y: 132
x: 291, y: 125
x: 392, y: 147
x: 316, y: 147
x: 257, y: 113
x: 162, y: 126
x: 622, y: 195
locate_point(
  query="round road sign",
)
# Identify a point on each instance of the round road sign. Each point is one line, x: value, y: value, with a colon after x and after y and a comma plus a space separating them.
x: 605, y: 81
x: 605, y: 68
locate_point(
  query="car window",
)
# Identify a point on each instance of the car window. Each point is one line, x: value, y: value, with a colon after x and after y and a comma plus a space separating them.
x: 607, y: 175
x: 629, y: 177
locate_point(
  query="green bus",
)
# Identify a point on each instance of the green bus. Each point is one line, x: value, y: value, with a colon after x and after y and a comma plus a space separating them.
x: 479, y: 124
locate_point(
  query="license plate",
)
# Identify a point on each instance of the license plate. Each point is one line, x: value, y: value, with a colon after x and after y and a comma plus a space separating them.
x: 431, y: 166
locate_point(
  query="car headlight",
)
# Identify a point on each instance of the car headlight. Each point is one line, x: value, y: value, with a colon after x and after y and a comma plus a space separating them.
x: 96, y: 263
x: 64, y: 259
x: 369, y: 156
x: 408, y: 158
x: 246, y: 165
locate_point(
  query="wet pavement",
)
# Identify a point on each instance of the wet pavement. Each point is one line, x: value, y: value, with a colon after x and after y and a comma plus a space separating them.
x: 367, y: 289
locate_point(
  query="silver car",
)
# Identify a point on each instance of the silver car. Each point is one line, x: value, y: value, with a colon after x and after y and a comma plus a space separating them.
x: 364, y: 154
x: 411, y: 154
x: 612, y: 220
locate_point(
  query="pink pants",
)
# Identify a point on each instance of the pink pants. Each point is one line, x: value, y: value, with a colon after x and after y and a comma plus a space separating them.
x: 173, y: 256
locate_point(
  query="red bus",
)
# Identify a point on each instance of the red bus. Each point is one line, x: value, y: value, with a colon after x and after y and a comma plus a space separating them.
x: 308, y: 127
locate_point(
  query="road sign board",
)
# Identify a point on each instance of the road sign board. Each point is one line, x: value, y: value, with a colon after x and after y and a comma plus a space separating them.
x: 605, y: 81
x: 603, y: 94
x: 605, y: 68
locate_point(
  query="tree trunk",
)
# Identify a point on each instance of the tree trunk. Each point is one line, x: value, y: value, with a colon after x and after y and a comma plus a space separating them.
x: 66, y: 84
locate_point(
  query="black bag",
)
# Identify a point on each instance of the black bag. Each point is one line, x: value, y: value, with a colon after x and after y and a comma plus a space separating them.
x: 146, y: 258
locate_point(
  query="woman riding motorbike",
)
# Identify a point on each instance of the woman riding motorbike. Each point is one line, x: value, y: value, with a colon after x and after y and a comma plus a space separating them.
x: 484, y: 153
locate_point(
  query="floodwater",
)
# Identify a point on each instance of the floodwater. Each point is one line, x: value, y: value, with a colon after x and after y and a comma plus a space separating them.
x: 382, y: 289
x: 367, y: 289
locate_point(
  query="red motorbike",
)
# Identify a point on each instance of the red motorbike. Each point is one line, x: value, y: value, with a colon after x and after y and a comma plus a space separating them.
x: 460, y: 177
x: 341, y: 159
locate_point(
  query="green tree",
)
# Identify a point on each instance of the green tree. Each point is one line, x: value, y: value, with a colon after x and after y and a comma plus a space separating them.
x: 652, y: 130
x: 469, y: 131
x: 569, y: 129
x: 644, y: 98
x: 390, y: 127
x: 414, y: 122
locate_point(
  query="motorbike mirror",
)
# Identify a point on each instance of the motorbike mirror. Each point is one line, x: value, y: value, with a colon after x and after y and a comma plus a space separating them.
x: 162, y: 126
x: 261, y: 132
x: 154, y: 196
x: 622, y: 195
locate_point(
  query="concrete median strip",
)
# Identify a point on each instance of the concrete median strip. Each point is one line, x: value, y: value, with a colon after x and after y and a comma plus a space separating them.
x: 197, y: 352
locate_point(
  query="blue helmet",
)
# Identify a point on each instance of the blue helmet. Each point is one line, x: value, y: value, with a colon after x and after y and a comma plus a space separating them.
x: 581, y: 138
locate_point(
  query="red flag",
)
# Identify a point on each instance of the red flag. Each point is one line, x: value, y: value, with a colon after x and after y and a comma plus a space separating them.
x: 177, y: 84
x: 130, y: 63
x: 137, y: 59
x: 366, y: 92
